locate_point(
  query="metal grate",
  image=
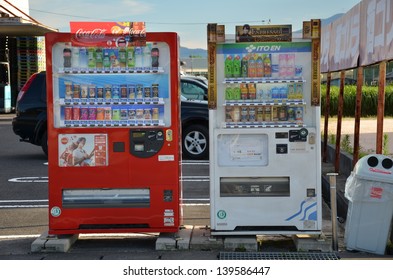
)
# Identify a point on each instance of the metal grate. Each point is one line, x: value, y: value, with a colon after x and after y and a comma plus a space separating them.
x: 277, y: 256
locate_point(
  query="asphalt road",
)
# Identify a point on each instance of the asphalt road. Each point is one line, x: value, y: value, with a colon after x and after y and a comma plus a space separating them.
x: 24, y: 187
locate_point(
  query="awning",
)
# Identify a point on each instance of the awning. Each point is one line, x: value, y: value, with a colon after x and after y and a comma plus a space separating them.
x: 18, y: 27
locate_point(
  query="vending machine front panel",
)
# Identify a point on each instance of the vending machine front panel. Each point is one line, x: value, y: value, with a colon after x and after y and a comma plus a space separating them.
x: 264, y: 140
x: 113, y: 134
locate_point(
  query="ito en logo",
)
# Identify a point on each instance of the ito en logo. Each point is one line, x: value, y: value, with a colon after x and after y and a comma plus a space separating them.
x: 250, y: 48
x: 221, y: 214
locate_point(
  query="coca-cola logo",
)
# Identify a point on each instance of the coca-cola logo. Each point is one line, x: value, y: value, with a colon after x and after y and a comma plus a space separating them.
x: 97, y: 33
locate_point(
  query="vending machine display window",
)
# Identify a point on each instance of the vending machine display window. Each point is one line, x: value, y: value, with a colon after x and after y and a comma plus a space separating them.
x: 111, y: 87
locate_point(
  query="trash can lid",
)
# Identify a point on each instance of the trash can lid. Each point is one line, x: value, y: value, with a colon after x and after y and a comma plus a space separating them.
x: 375, y: 167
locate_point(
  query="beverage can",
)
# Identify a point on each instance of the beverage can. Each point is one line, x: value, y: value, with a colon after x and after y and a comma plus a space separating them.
x: 67, y: 113
x: 131, y: 114
x: 291, y: 114
x: 228, y: 114
x: 275, y: 113
x: 260, y: 113
x: 108, y: 92
x: 100, y: 113
x: 251, y: 114
x: 76, y: 113
x: 268, y: 113
x: 84, y: 91
x: 115, y: 91
x: 155, y: 91
x: 236, y: 114
x: 155, y: 114
x: 139, y: 91
x: 299, y: 115
x: 76, y: 91
x: 123, y: 114
x: 92, y: 113
x: 139, y: 114
x: 244, y: 114
x: 100, y: 92
x: 131, y: 91
x: 147, y: 114
x: 116, y: 114
x: 92, y: 91
x: 123, y: 91
x: 84, y: 113
x: 68, y: 90
x: 147, y: 92
x: 108, y: 113
x: 282, y: 113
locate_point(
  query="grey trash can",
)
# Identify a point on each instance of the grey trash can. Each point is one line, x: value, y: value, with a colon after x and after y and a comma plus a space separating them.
x: 369, y: 190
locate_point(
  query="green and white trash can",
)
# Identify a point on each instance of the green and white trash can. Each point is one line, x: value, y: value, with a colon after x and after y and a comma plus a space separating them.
x: 369, y: 190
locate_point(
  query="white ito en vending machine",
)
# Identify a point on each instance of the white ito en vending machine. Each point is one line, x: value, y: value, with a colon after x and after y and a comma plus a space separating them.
x: 265, y: 162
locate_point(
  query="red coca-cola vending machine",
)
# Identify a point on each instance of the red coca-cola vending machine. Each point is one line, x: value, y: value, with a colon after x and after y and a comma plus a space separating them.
x: 113, y: 129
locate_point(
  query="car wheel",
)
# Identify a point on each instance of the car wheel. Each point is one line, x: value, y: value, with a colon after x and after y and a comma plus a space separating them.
x: 196, y: 142
x: 44, y: 143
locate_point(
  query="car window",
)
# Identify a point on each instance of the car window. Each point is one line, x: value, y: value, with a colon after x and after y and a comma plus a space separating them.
x: 193, y: 91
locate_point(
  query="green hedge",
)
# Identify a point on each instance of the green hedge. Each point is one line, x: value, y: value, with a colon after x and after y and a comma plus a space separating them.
x: 369, y: 100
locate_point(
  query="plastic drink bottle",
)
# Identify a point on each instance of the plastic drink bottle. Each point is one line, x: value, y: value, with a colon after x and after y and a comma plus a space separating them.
x: 106, y: 59
x: 259, y: 66
x: 75, y: 57
x: 252, y: 67
x: 67, y: 56
x: 130, y: 57
x: 237, y: 67
x: 99, y: 58
x: 244, y: 65
x: 138, y: 57
x: 122, y: 57
x: 267, y: 66
x: 83, y: 60
x: 155, y: 54
x: 147, y: 56
x: 91, y: 58
x: 228, y: 67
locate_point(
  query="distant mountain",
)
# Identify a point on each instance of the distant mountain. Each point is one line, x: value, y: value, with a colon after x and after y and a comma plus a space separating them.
x: 202, y: 53
x: 331, y: 19
x: 186, y: 52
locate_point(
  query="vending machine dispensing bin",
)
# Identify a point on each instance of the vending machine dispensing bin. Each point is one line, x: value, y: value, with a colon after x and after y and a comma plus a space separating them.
x: 113, y: 130
x: 265, y: 165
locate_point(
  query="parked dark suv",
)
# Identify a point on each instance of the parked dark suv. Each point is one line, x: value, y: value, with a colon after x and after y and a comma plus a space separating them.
x: 30, y: 122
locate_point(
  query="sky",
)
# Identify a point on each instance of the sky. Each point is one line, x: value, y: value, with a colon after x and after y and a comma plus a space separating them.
x: 187, y: 18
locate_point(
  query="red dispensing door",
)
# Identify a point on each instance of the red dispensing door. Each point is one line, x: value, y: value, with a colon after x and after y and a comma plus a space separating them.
x: 113, y: 133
